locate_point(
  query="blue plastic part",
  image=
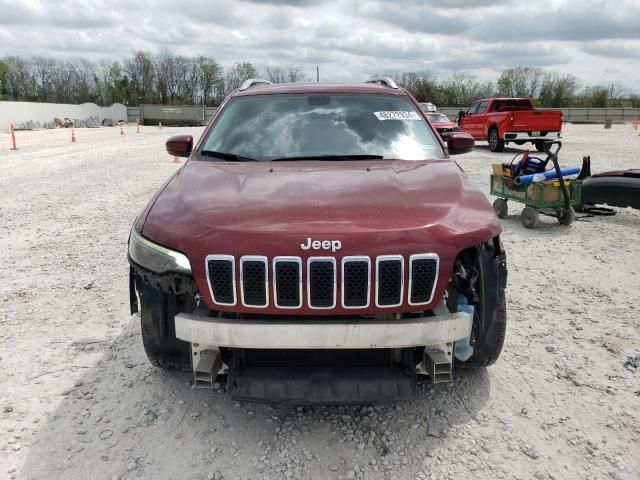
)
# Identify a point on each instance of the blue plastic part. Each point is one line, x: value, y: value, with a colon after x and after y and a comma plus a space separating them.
x: 463, y: 349
x: 529, y: 165
x: 548, y: 175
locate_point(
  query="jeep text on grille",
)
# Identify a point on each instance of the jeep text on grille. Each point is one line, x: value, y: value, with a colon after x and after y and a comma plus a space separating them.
x: 333, y: 245
x: 319, y: 246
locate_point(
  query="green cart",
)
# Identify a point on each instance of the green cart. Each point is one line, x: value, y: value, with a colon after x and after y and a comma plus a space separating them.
x: 555, y: 198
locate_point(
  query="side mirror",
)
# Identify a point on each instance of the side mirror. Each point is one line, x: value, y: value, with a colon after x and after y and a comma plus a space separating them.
x: 460, y: 142
x: 461, y: 114
x: 180, y: 145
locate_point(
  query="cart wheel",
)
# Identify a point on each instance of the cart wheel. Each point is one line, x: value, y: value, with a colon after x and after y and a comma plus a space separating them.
x: 501, y: 208
x: 530, y: 218
x: 566, y: 217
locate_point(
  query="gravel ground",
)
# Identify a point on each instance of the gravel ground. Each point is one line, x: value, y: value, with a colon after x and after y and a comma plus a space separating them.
x: 79, y: 400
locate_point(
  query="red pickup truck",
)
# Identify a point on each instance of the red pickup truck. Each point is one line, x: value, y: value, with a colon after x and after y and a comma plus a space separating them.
x: 503, y: 120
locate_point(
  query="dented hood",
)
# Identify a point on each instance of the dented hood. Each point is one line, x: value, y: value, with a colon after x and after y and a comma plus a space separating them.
x: 271, y: 208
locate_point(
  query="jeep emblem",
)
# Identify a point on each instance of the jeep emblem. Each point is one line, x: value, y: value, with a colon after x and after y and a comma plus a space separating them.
x: 333, y: 245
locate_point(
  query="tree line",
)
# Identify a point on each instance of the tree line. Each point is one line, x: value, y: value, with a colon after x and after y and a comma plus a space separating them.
x: 164, y: 78
x: 545, y: 87
x: 167, y: 78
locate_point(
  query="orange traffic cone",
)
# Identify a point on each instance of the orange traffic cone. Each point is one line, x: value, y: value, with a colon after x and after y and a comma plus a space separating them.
x: 73, y: 136
x: 13, y: 138
x: 121, y: 130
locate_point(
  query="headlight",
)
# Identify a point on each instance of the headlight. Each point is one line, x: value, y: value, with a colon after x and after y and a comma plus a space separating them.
x: 155, y: 257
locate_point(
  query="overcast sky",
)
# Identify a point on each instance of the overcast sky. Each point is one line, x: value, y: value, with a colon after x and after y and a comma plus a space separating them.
x: 598, y: 41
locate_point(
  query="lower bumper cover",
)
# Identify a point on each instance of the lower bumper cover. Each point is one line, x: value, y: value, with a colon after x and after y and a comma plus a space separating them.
x: 324, y: 386
x: 323, y: 333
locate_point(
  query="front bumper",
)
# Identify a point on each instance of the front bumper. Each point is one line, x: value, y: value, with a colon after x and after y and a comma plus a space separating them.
x: 323, y: 333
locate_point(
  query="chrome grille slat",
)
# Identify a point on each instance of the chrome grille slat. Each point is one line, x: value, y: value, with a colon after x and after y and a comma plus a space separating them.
x: 221, y: 276
x: 356, y: 281
x: 287, y: 282
x: 423, y: 276
x: 321, y: 282
x: 254, y: 286
x: 389, y: 280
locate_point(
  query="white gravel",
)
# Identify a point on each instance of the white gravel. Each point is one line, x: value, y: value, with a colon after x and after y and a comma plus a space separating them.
x: 79, y: 400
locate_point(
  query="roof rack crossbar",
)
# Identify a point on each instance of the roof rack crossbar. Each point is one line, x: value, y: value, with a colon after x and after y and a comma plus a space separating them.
x: 383, y: 81
x: 252, y: 82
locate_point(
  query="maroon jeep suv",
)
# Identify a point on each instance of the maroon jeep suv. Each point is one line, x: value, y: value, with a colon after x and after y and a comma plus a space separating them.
x: 319, y: 246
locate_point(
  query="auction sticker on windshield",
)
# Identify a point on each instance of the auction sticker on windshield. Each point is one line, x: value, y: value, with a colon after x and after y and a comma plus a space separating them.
x: 397, y: 115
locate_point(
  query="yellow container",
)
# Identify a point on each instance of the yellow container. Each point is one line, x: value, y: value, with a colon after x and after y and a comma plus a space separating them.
x: 501, y: 169
x: 548, y: 191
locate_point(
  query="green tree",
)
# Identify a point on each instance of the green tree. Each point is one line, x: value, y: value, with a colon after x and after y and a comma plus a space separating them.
x: 4, y: 81
x: 520, y: 82
x: 237, y: 74
x: 141, y: 74
x: 557, y: 90
x: 211, y: 76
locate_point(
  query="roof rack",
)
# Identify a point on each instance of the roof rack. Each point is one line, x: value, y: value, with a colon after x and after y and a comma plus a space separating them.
x: 383, y: 81
x: 253, y: 82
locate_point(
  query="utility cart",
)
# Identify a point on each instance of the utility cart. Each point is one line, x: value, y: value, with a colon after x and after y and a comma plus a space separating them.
x: 554, y: 198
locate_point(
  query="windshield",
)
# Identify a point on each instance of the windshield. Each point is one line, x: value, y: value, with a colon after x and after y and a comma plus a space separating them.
x: 439, y: 118
x: 268, y: 127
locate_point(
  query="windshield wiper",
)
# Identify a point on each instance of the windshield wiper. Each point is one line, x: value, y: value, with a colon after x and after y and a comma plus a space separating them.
x: 329, y: 157
x: 227, y: 156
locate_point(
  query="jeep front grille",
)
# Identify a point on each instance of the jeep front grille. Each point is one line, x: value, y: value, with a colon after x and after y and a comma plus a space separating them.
x: 356, y: 282
x: 287, y: 282
x: 325, y: 286
x: 422, y: 278
x: 390, y: 280
x: 253, y: 281
x: 321, y: 282
x: 221, y: 277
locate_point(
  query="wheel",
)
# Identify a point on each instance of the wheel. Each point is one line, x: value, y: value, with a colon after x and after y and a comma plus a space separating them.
x: 490, y: 318
x: 530, y: 217
x: 157, y: 309
x: 540, y: 145
x: 501, y: 208
x: 496, y: 144
x: 566, y: 217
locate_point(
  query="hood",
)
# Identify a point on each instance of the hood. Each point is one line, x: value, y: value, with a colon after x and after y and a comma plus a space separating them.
x: 272, y: 208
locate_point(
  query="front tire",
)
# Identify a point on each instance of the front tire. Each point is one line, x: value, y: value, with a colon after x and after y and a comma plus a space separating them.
x: 501, y: 207
x: 157, y: 312
x: 490, y: 317
x: 496, y: 144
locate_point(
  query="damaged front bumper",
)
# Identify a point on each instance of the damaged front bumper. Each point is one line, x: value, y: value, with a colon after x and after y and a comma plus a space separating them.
x: 323, y: 333
x: 433, y: 337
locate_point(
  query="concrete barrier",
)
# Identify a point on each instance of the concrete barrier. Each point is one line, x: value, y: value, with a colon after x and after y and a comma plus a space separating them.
x: 183, y: 114
x: 577, y: 115
x: 37, y: 114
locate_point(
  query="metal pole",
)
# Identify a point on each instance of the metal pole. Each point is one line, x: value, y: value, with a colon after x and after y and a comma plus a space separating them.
x: 317, y: 73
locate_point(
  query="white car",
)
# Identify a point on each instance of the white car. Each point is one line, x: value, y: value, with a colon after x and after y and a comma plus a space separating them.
x: 428, y: 107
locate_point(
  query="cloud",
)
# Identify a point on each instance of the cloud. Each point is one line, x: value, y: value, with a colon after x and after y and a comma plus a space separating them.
x: 349, y: 40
